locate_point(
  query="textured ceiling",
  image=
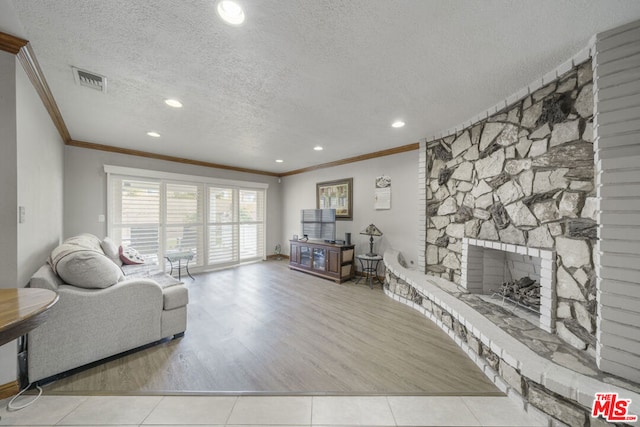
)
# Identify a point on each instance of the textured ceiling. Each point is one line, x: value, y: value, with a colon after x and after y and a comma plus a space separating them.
x: 297, y: 73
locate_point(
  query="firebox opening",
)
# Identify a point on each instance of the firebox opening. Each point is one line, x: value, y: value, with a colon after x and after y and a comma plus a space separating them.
x: 513, y: 276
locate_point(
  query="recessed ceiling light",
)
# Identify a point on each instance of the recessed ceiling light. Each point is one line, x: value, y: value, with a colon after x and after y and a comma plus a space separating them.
x: 230, y: 12
x: 279, y: 161
x: 173, y: 103
x: 318, y: 148
x: 154, y: 134
x: 397, y: 124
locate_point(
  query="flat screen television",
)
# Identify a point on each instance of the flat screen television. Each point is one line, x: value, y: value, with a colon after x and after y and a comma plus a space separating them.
x: 319, y: 224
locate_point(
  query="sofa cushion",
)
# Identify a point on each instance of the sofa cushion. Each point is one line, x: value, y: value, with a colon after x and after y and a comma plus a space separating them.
x: 139, y: 270
x: 175, y: 296
x: 80, y: 242
x: 174, y: 293
x: 88, y: 269
x: 111, y: 250
x: 86, y: 241
x: 130, y: 256
x: 80, y: 261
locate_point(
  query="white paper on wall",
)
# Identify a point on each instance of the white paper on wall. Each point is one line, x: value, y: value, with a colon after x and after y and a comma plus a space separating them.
x: 383, y: 193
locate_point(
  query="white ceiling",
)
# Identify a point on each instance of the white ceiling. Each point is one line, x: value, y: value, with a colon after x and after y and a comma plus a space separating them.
x: 297, y: 73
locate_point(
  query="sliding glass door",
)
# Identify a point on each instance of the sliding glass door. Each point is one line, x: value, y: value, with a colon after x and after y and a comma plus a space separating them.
x: 236, y: 225
x: 220, y: 224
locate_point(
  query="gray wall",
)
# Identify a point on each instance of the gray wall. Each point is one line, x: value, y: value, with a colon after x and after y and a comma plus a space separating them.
x: 399, y: 224
x: 8, y: 199
x: 617, y: 89
x: 85, y: 185
x: 8, y: 172
x: 40, y: 180
x: 31, y: 165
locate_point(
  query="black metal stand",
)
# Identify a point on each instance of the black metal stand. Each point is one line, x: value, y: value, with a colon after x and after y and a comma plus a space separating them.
x: 369, y: 265
x: 180, y: 267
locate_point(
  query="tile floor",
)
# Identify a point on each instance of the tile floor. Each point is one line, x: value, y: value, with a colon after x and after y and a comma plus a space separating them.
x: 268, y: 411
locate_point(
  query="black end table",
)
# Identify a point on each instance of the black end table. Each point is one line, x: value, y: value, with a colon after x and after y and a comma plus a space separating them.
x: 369, y: 264
x: 179, y: 257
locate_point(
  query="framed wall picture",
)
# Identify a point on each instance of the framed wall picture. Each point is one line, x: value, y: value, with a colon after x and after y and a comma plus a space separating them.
x: 336, y: 195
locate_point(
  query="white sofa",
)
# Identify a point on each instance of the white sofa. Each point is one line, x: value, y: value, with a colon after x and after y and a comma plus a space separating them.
x: 104, y: 309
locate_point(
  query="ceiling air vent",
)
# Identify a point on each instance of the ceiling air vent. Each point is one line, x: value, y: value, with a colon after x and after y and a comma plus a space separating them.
x: 89, y: 79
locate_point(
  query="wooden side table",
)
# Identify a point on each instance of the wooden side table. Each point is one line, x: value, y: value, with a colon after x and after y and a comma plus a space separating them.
x: 22, y: 310
x: 369, y: 266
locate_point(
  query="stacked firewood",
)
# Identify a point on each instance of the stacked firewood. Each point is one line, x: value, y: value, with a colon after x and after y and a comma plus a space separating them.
x: 525, y: 291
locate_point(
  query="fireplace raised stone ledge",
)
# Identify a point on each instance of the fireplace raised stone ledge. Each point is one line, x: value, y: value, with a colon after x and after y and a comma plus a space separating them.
x: 558, y: 386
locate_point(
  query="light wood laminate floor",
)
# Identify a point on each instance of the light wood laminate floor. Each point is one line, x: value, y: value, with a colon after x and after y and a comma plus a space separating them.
x: 264, y: 328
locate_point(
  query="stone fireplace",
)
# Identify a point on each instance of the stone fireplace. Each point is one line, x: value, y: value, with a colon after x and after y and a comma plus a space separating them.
x: 552, y: 169
x: 521, y: 180
x: 486, y: 265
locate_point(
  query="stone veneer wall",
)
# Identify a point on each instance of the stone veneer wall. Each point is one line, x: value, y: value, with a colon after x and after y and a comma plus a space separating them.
x: 525, y: 176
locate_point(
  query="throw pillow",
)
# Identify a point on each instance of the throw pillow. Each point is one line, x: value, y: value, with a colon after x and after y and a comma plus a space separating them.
x: 110, y: 249
x: 130, y: 256
x: 88, y: 269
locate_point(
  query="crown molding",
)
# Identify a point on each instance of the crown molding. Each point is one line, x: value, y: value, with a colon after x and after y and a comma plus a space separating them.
x: 149, y: 155
x: 22, y: 49
x: 369, y: 156
x: 31, y: 67
x: 11, y: 44
x: 120, y: 150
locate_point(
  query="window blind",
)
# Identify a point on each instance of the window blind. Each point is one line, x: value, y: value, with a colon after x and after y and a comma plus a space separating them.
x: 251, y: 224
x: 184, y: 219
x: 223, y: 237
x: 135, y: 215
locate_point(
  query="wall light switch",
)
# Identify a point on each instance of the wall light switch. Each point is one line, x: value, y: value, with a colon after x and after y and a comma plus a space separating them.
x: 101, y: 218
x: 21, y: 214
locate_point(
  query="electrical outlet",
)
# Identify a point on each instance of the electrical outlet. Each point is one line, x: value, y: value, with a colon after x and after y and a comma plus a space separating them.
x: 101, y: 218
x: 21, y: 214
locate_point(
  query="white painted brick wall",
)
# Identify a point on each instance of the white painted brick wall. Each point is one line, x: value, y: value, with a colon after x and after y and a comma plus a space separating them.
x: 607, y: 327
x: 523, y: 265
x: 422, y: 205
x: 617, y: 154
